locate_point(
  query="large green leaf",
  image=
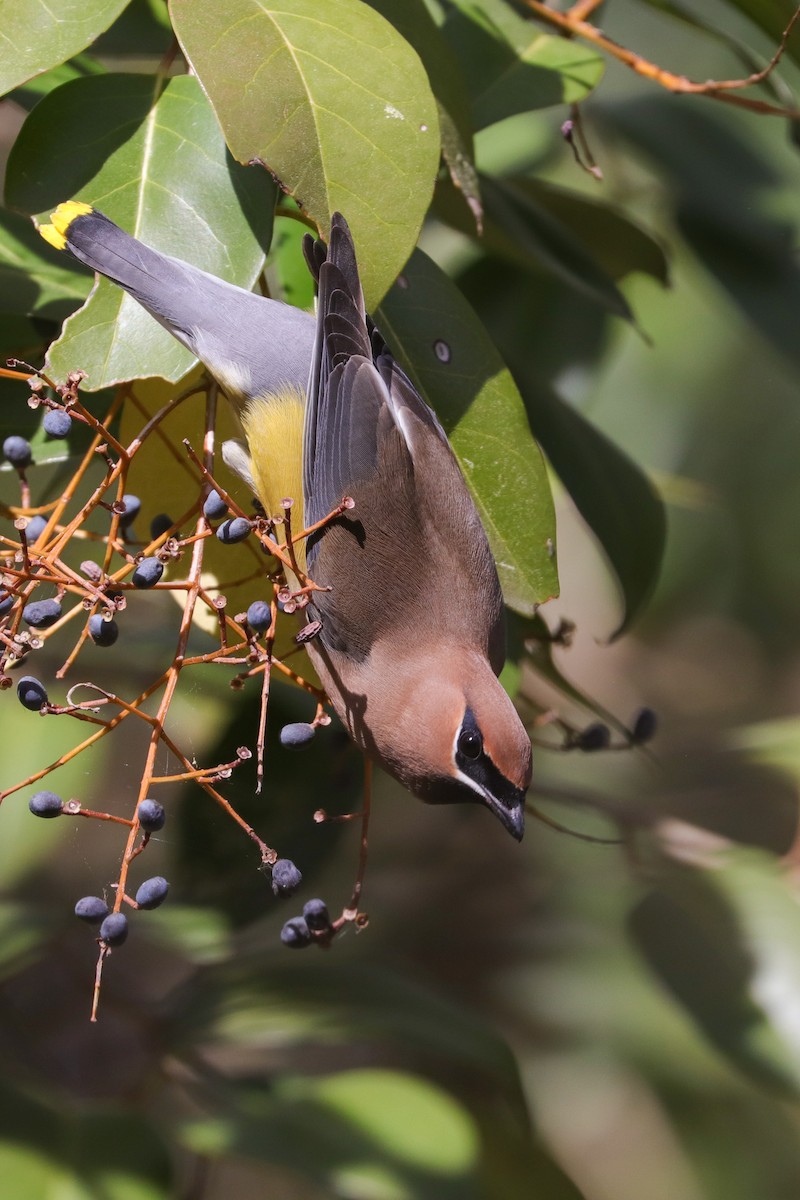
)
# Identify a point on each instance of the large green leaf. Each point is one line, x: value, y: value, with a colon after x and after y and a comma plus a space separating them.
x: 512, y: 66
x: 156, y: 163
x: 36, y: 36
x: 614, y: 497
x: 33, y: 278
x: 335, y: 103
x: 414, y: 22
x: 523, y: 231
x: 440, y: 341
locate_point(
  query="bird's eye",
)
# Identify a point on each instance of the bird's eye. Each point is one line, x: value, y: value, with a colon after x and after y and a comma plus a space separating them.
x: 470, y: 743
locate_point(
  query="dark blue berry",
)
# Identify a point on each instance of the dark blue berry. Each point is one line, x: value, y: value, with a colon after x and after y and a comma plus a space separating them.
x: 316, y: 916
x: 18, y: 451
x: 114, y: 929
x: 147, y: 573
x: 152, y: 892
x: 101, y: 631
x: 41, y: 614
x: 34, y: 527
x: 133, y: 506
x: 295, y: 934
x: 215, y: 507
x: 6, y: 602
x: 57, y: 423
x: 594, y: 737
x: 46, y: 804
x: 259, y: 616
x: 151, y: 816
x: 31, y: 693
x: 644, y: 726
x: 235, y: 529
x: 285, y: 877
x: 91, y: 909
x: 160, y: 524
x: 297, y: 735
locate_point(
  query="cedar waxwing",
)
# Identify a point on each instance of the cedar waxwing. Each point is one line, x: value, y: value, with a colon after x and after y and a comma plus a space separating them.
x: 412, y: 631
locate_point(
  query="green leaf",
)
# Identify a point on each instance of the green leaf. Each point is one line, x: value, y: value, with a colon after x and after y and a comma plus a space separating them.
x: 439, y: 340
x: 77, y: 68
x: 512, y: 66
x: 617, y: 501
x: 157, y: 165
x: 413, y: 21
x: 617, y: 244
x: 521, y: 229
x: 35, y: 37
x: 34, y: 279
x: 338, y: 106
x: 287, y: 274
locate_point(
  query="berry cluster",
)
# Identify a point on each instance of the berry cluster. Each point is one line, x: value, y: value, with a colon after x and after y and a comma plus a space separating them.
x: 50, y: 588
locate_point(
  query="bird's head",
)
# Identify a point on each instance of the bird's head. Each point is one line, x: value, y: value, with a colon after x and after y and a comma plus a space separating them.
x: 455, y: 736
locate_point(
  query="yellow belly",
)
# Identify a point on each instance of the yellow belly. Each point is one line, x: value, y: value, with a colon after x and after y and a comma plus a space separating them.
x: 273, y: 426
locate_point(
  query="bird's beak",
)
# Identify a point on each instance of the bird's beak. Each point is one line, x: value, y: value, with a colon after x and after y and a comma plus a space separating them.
x: 510, y: 811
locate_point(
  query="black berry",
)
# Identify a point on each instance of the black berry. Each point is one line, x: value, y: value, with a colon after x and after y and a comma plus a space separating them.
x: 18, y: 451
x: 41, y: 614
x: 285, y: 877
x: 295, y: 934
x: 46, y: 804
x: 152, y: 892
x: 31, y: 693
x: 151, y: 816
x: 259, y: 616
x: 101, y: 631
x: 235, y: 529
x: 133, y: 507
x: 114, y: 929
x: 644, y: 726
x: 147, y: 573
x: 57, y: 423
x: 215, y: 507
x: 316, y: 916
x: 6, y: 602
x: 91, y: 909
x: 594, y: 737
x: 160, y: 524
x: 297, y: 735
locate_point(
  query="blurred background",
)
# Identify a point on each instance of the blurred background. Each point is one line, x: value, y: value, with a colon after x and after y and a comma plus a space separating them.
x: 556, y: 1019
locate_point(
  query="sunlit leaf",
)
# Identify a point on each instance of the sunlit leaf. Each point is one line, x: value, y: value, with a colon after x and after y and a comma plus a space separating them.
x: 412, y: 19
x: 437, y: 336
x: 344, y: 117
x: 36, y: 37
x: 514, y: 67
x: 614, y: 497
x: 156, y: 163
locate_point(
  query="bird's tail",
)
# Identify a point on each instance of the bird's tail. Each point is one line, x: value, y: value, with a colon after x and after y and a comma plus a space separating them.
x: 251, y: 344
x: 161, y: 284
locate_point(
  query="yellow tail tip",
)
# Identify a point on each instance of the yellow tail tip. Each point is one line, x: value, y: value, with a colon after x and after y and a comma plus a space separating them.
x: 62, y: 218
